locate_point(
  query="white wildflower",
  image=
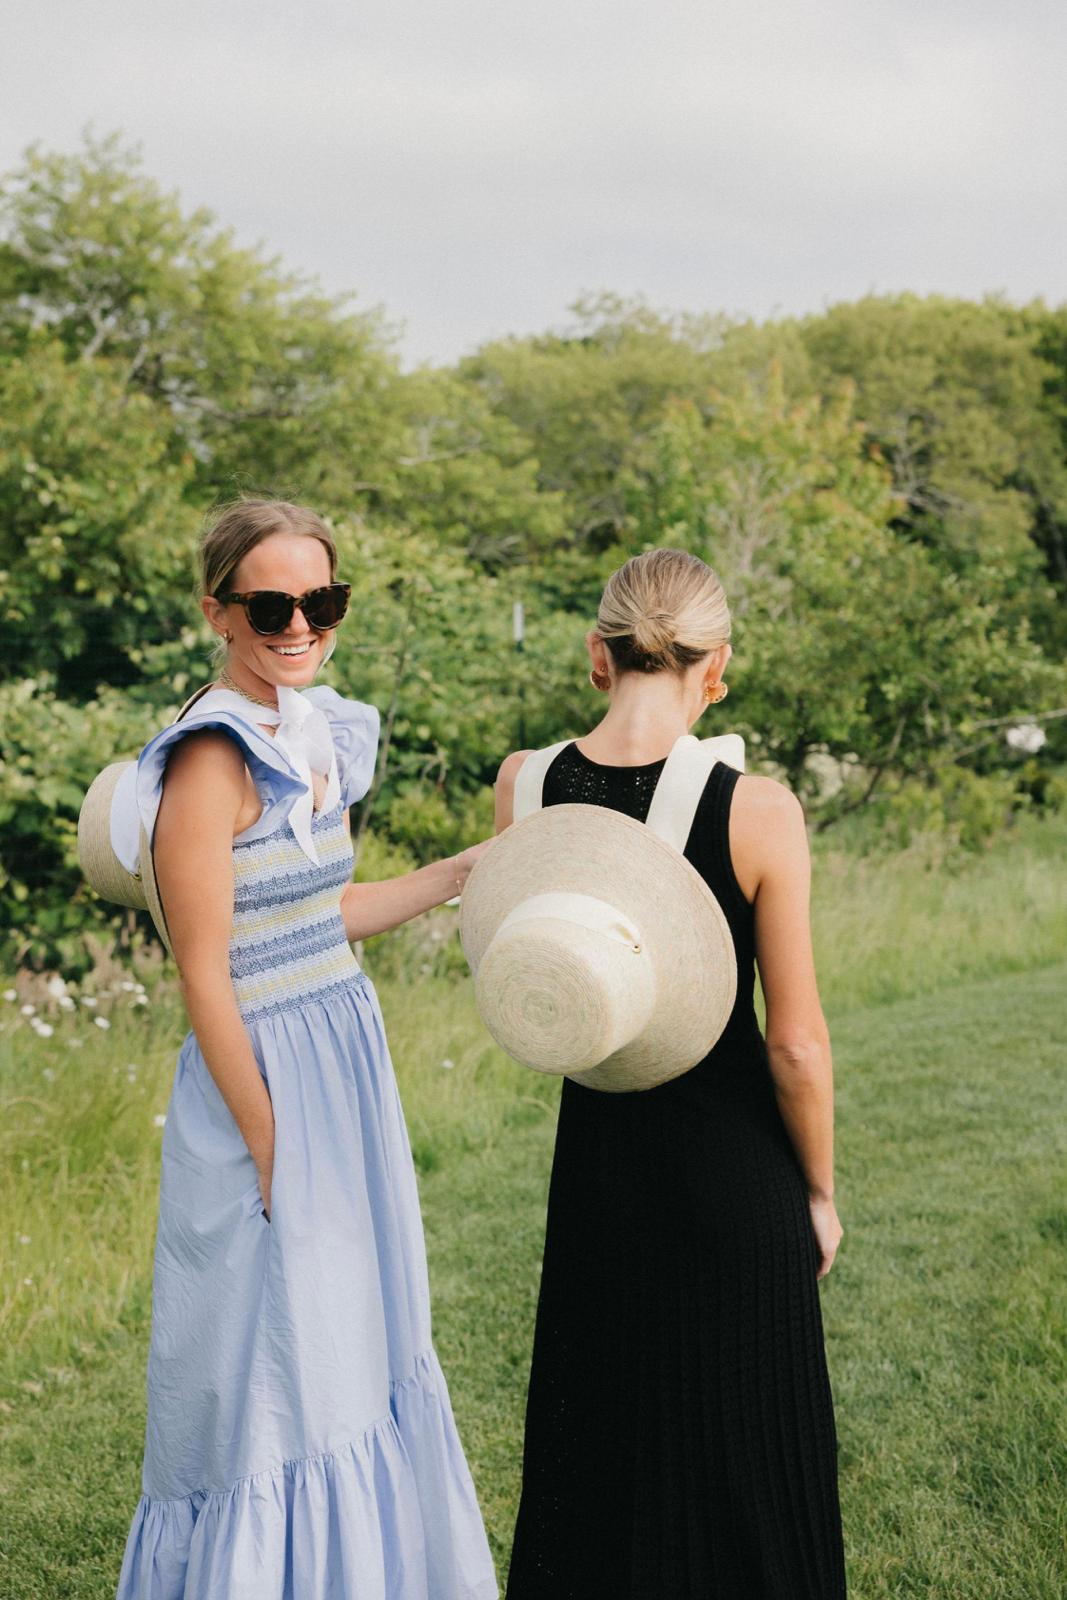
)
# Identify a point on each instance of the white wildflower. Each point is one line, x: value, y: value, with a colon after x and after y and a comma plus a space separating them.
x: 102, y: 1022
x: 28, y: 1282
x: 56, y: 986
x: 66, y: 1003
x: 139, y: 1000
x: 448, y: 1062
x: 28, y: 1011
x: 88, y: 1000
x: 1025, y: 736
x: 48, y: 1074
x: 43, y: 1030
x: 75, y: 1044
x: 24, y: 1238
x: 11, y: 994
x: 159, y: 1119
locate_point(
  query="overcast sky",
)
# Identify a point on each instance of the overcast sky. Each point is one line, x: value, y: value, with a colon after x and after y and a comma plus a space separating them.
x: 475, y: 165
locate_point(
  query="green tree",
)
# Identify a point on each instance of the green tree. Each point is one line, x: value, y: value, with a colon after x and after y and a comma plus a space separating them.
x: 267, y: 382
x: 582, y: 398
x: 851, y: 640
x: 95, y: 534
x: 466, y: 476
x: 953, y: 394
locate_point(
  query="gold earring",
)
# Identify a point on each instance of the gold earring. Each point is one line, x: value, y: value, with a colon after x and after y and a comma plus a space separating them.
x: 713, y: 699
x: 600, y: 680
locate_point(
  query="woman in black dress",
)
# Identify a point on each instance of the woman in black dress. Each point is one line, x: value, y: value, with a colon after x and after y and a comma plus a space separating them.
x: 680, y: 1440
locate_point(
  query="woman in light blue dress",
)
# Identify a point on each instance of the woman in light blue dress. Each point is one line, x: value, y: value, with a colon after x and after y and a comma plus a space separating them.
x: 300, y: 1441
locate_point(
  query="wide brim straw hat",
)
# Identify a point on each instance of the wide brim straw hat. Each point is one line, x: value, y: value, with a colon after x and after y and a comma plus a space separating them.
x: 101, y: 865
x: 598, y: 951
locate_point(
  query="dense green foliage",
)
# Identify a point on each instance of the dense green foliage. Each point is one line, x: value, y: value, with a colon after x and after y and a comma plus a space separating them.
x: 945, y: 1312
x: 882, y: 488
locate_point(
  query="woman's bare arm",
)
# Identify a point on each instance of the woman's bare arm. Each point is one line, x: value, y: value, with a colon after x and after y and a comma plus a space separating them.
x: 505, y: 788
x: 203, y: 789
x: 798, y: 1041
x: 369, y: 908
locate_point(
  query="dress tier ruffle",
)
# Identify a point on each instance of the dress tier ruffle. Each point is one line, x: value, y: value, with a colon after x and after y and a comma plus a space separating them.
x: 300, y: 1441
x: 352, y: 1522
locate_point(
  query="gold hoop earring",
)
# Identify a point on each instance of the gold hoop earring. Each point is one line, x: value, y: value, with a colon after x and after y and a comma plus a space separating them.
x: 600, y: 680
x: 714, y: 699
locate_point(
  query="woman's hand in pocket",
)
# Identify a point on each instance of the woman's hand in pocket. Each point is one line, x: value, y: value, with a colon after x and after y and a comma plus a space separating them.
x: 265, y: 1173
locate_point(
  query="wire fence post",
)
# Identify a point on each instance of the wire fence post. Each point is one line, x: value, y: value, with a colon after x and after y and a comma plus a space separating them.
x: 518, y: 627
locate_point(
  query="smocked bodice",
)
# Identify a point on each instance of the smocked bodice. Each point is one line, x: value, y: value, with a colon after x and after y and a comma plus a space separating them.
x: 288, y: 945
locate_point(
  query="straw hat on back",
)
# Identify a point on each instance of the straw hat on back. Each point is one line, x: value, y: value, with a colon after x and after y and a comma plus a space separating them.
x: 110, y: 794
x: 99, y: 862
x: 598, y: 951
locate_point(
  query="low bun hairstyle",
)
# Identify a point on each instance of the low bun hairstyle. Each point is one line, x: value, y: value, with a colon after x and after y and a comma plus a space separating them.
x: 662, y: 611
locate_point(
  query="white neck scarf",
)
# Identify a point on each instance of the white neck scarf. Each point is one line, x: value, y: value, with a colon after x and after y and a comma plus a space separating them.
x: 302, y: 732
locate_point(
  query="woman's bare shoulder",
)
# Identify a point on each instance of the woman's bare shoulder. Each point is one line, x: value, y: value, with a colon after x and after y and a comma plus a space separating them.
x: 766, y: 824
x: 207, y: 763
x: 504, y: 806
x: 764, y: 800
x: 509, y: 769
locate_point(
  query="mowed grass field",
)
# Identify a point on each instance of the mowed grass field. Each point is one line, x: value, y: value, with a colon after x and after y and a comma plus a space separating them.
x: 946, y: 1312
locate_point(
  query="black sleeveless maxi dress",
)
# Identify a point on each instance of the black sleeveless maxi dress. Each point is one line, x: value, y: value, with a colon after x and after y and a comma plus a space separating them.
x: 680, y: 1440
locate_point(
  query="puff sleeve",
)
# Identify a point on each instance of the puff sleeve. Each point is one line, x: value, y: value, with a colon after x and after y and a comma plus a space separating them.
x: 136, y: 799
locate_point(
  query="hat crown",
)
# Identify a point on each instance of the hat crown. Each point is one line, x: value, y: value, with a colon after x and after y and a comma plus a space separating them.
x: 565, y: 983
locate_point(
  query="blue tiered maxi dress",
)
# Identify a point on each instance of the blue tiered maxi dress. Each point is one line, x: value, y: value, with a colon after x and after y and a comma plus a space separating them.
x: 300, y: 1441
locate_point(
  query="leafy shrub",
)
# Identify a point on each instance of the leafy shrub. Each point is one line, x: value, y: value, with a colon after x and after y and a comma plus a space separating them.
x: 50, y: 753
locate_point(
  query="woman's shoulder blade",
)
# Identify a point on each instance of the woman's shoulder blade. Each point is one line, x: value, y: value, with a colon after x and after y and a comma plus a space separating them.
x: 765, y: 820
x: 761, y: 794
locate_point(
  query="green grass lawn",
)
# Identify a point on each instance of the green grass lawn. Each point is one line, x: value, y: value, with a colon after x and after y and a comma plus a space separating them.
x: 945, y: 1313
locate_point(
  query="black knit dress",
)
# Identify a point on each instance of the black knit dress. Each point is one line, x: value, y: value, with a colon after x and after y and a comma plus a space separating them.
x: 680, y: 1440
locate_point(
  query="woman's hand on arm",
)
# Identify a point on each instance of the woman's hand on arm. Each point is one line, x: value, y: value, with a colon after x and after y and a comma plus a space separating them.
x: 203, y: 788
x: 798, y: 1041
x: 370, y: 908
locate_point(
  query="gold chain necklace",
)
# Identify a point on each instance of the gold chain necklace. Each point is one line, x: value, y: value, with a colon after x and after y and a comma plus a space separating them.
x: 228, y: 683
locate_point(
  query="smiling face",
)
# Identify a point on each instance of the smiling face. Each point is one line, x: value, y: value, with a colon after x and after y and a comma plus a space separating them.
x: 293, y: 563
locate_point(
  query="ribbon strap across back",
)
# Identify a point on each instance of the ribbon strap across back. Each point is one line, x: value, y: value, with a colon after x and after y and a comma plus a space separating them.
x: 678, y: 789
x: 681, y: 783
x: 530, y: 779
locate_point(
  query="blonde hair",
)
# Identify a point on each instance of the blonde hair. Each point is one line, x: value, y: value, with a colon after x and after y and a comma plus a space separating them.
x: 662, y: 610
x: 239, y: 527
